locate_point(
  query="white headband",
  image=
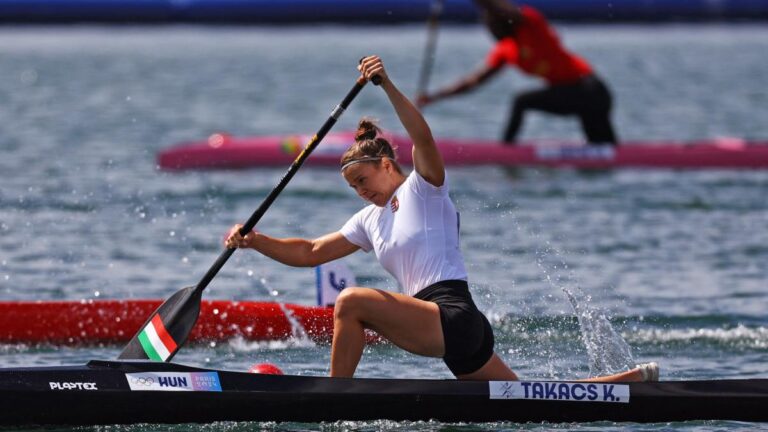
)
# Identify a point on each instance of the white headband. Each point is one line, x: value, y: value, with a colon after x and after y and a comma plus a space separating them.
x: 357, y: 161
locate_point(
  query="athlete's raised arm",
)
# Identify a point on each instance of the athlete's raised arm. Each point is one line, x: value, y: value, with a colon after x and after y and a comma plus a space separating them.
x: 426, y: 158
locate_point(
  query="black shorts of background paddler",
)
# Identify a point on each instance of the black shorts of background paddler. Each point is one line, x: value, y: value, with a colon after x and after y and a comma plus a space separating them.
x: 467, y: 333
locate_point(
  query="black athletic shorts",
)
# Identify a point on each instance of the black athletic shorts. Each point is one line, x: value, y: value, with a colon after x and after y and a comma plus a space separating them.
x: 468, y: 334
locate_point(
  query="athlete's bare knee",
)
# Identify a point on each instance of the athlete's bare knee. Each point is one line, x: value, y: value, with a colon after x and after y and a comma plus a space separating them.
x: 348, y: 302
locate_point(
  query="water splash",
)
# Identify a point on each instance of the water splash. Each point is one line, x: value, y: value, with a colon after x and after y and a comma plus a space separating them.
x: 240, y: 345
x: 299, y: 335
x: 608, y: 352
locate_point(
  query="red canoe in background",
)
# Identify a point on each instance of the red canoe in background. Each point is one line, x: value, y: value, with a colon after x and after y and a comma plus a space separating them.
x: 94, y: 322
x: 222, y: 151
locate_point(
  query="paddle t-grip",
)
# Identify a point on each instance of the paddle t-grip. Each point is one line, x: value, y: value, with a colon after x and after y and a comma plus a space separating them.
x: 376, y: 80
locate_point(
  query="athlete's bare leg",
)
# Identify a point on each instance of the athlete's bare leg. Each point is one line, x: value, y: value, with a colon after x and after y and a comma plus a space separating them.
x: 493, y: 370
x: 410, y: 323
x: 395, y: 317
x: 638, y: 374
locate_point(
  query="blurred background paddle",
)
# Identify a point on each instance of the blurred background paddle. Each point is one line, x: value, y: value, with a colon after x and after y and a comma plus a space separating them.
x: 166, y: 330
x: 435, y: 10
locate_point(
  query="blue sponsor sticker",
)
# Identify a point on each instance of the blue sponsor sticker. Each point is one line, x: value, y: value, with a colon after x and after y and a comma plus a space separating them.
x: 559, y: 391
x: 174, y: 381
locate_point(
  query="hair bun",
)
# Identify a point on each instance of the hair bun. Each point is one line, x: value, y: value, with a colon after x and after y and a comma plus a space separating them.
x: 366, y: 130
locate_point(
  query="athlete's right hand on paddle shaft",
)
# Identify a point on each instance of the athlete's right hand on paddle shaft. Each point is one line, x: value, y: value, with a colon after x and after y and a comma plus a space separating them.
x: 233, y: 239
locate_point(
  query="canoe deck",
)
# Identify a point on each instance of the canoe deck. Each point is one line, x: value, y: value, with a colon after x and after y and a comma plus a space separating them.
x: 106, y: 392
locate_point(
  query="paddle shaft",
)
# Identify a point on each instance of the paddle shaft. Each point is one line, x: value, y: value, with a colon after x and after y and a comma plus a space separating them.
x: 297, y: 163
x: 166, y: 330
x: 429, y: 49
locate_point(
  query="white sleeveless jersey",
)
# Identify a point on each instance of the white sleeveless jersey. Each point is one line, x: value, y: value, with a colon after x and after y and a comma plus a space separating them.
x: 415, y: 236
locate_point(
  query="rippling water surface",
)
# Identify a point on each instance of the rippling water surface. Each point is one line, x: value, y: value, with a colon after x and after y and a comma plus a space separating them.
x: 676, y: 260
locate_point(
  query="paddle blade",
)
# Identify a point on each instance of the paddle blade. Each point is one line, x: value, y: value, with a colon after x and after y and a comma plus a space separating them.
x: 167, y: 328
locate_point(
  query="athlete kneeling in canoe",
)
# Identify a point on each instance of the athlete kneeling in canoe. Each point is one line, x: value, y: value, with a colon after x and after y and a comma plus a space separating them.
x: 413, y: 227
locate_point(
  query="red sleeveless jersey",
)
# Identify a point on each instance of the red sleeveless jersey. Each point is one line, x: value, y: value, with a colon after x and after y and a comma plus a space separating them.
x: 536, y: 50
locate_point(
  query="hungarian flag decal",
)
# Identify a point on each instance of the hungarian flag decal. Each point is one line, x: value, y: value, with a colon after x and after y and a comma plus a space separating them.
x: 157, y: 343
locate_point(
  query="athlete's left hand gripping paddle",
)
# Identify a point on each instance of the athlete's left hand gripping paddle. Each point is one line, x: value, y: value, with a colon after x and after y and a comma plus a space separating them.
x: 168, y: 327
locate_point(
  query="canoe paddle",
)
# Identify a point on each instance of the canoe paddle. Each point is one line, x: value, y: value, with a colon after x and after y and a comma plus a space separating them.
x: 168, y: 327
x: 436, y: 8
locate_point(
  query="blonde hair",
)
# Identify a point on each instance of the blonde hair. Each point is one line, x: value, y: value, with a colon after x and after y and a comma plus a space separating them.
x: 369, y: 146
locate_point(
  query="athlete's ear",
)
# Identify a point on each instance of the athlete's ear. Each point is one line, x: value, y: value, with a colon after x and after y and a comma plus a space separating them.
x: 386, y: 163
